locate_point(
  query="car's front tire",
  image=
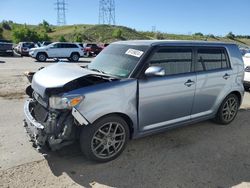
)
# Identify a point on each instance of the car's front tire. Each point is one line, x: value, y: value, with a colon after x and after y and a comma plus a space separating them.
x: 41, y: 57
x: 228, y: 110
x: 105, y: 139
x: 74, y: 57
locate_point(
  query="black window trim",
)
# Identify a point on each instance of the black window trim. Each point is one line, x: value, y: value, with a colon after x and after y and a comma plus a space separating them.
x: 228, y: 63
x: 155, y: 49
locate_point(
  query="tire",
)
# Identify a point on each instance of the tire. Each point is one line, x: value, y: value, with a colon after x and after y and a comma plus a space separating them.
x: 74, y: 57
x: 98, y: 141
x: 228, y: 110
x: 42, y: 57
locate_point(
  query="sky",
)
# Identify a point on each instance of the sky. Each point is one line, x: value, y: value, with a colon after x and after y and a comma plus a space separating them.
x: 216, y: 17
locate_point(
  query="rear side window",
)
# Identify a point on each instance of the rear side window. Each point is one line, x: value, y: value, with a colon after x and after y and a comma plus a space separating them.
x: 174, y: 61
x: 211, y: 59
x: 69, y: 45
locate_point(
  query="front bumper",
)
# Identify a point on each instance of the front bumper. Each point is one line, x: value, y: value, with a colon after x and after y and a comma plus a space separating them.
x: 246, y: 84
x: 33, y: 127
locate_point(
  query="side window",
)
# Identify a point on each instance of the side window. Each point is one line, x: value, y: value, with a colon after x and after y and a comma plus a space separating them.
x: 173, y: 60
x: 211, y: 59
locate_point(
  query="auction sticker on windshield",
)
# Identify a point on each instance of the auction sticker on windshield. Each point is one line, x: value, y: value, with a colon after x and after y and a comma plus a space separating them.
x: 133, y: 52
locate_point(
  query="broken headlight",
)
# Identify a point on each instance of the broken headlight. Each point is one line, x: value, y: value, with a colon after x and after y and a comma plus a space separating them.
x: 57, y: 102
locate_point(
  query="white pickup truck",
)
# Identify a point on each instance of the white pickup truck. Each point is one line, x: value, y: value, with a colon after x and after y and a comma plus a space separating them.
x: 71, y: 51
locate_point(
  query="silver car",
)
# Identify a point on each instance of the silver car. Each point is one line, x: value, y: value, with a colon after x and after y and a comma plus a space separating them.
x: 132, y: 89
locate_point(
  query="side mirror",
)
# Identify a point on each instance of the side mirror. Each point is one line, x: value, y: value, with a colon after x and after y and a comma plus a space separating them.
x: 155, y: 71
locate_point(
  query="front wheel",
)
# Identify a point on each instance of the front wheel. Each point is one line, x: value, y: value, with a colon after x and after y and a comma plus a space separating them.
x: 228, y: 110
x: 105, y: 139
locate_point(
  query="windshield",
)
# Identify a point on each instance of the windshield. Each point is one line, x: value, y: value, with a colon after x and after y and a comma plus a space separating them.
x: 118, y: 59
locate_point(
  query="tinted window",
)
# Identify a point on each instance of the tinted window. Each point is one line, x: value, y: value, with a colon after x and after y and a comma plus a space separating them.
x: 28, y: 45
x: 174, y: 61
x: 211, y: 59
x: 66, y: 45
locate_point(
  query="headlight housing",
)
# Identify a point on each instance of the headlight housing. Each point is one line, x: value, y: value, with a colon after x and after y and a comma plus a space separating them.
x: 57, y: 102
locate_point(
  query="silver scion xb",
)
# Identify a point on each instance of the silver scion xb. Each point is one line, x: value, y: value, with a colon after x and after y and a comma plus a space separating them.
x: 132, y: 89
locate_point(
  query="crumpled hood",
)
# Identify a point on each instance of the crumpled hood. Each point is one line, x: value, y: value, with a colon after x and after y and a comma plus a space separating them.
x: 57, y: 75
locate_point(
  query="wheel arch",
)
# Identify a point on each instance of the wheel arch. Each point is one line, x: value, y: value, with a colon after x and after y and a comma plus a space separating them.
x: 74, y: 53
x: 238, y: 94
x: 41, y: 53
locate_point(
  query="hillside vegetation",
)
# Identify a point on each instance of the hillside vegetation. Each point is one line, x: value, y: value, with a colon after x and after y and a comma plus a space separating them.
x: 98, y: 33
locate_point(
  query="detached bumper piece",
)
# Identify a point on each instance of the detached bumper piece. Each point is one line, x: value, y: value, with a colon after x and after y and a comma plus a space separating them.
x: 34, y: 129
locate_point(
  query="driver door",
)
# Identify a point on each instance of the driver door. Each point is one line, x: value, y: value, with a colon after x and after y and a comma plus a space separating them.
x: 166, y: 100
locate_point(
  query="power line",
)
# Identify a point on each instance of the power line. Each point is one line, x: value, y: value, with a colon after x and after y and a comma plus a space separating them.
x: 107, y: 12
x: 61, y: 9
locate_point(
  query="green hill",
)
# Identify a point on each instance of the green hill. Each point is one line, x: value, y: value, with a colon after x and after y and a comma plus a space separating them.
x: 105, y: 33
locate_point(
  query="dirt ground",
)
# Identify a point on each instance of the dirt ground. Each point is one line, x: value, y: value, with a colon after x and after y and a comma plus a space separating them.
x: 200, y: 155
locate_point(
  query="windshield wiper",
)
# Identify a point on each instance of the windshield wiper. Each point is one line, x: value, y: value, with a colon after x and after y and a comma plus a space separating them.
x: 96, y: 70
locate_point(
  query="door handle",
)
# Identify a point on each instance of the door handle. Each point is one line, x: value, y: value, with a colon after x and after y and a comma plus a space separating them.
x: 189, y: 83
x: 226, y: 76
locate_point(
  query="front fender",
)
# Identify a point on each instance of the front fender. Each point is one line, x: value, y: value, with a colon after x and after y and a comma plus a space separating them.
x: 108, y: 98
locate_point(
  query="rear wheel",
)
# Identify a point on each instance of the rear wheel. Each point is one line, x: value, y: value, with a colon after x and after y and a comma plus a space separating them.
x: 105, y: 139
x: 41, y: 57
x: 74, y: 57
x: 228, y: 110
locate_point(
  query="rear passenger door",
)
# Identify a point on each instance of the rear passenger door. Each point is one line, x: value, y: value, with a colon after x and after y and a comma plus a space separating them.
x: 166, y: 100
x: 214, y: 78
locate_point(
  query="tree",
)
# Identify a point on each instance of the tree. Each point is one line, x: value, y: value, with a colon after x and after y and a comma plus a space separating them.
x: 230, y: 35
x: 46, y: 26
x: 159, y: 36
x: 117, y: 33
x: 198, y: 34
x: 6, y: 25
x: 26, y: 34
x: 62, y: 39
x: 1, y: 32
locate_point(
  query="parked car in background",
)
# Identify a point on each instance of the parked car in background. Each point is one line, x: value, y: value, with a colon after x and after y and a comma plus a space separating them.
x: 246, y: 60
x: 6, y: 48
x: 91, y: 49
x: 133, y: 89
x: 68, y: 50
x: 45, y: 43
x: 103, y: 45
x: 23, y: 48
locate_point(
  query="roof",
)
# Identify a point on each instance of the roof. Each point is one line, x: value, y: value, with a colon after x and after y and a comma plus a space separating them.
x: 171, y: 42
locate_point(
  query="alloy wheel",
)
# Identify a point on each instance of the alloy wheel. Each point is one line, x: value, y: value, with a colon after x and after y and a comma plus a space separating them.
x: 108, y: 140
x: 229, y: 109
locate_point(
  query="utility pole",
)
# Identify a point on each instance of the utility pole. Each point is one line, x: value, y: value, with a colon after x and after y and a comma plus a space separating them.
x: 61, y: 9
x: 107, y: 12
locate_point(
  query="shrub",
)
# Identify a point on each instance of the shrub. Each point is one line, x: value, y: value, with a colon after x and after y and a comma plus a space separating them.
x: 117, y: 33
x: 62, y: 39
x: 230, y: 35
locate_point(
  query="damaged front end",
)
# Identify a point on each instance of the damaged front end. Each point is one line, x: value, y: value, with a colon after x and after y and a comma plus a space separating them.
x: 48, y: 128
x: 50, y: 115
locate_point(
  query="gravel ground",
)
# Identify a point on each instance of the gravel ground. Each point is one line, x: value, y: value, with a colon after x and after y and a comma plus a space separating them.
x: 200, y: 155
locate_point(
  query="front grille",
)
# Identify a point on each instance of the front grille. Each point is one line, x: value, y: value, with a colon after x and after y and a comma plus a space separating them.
x: 40, y: 113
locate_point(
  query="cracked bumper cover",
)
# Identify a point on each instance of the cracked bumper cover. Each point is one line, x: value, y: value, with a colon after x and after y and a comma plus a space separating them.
x: 33, y: 128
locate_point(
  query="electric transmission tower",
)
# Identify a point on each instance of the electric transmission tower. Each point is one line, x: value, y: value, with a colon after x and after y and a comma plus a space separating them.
x: 107, y: 12
x: 61, y: 9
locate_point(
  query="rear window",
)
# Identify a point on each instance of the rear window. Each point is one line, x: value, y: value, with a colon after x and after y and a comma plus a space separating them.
x: 211, y: 59
x: 28, y: 45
